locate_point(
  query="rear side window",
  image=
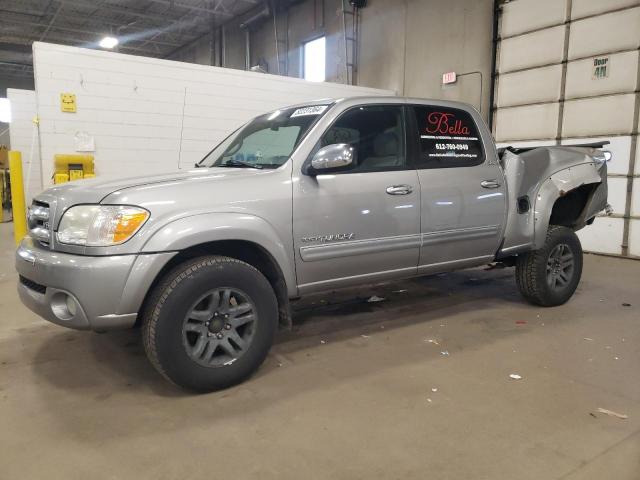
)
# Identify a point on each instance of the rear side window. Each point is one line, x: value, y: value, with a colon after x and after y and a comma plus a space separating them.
x: 448, y: 138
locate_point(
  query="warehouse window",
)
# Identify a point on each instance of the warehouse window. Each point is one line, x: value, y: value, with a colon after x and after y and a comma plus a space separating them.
x: 5, y: 110
x: 314, y: 60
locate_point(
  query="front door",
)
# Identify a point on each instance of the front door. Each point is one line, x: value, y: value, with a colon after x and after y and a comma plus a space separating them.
x: 463, y: 189
x: 360, y: 224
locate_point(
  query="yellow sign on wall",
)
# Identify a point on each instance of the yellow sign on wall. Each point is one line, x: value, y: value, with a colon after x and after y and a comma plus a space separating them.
x: 68, y: 102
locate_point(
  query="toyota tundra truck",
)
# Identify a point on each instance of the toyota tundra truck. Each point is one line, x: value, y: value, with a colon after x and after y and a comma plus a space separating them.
x: 304, y: 199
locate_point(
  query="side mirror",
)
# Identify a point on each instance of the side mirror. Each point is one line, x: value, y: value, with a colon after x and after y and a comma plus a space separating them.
x: 339, y: 155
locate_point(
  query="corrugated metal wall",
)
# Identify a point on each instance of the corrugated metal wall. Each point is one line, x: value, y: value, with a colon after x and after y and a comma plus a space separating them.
x: 549, y: 91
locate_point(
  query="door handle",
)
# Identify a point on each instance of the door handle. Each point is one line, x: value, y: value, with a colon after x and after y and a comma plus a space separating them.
x: 399, y: 190
x: 490, y: 184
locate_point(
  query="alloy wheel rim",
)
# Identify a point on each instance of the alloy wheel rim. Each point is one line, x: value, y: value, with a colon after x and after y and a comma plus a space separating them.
x: 219, y: 327
x: 560, y: 267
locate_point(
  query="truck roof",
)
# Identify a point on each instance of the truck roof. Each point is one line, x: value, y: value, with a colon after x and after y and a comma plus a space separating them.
x: 366, y: 99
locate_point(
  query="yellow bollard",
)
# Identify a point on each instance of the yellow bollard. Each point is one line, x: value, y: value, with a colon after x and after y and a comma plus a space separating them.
x: 17, y: 196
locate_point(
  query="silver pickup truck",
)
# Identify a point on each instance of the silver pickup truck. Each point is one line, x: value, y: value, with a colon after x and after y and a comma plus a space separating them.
x: 304, y: 199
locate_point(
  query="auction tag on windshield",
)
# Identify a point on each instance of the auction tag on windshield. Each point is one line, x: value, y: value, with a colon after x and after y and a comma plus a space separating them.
x: 315, y: 110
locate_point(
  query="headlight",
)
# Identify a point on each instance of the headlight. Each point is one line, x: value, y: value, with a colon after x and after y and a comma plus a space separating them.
x: 100, y: 225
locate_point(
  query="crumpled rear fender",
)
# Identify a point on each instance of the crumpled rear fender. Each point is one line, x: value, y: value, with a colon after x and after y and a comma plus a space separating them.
x: 558, y: 185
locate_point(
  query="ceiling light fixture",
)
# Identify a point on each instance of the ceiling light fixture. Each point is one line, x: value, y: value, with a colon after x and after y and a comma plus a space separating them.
x: 108, y: 42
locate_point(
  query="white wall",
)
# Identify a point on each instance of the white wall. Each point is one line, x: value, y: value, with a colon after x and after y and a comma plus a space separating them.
x: 148, y: 115
x: 24, y: 138
x: 546, y: 93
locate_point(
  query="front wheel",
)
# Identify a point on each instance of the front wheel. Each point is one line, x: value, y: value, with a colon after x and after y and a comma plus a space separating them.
x: 548, y: 277
x: 210, y: 323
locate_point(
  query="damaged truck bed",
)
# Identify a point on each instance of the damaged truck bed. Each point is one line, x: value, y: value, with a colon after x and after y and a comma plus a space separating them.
x: 570, y: 182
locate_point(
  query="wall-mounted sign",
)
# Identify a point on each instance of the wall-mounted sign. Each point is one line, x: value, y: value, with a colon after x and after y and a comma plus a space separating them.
x: 68, y: 102
x: 600, y: 68
x: 449, y: 77
x: 84, y: 142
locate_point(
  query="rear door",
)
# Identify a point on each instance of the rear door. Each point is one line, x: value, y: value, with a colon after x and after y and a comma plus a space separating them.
x: 361, y: 224
x: 463, y: 202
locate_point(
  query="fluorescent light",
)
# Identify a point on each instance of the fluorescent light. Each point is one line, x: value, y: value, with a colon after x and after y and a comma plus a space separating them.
x: 5, y: 110
x: 108, y: 42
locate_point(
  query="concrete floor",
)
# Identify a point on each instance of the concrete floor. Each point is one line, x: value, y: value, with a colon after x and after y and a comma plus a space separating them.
x: 357, y: 390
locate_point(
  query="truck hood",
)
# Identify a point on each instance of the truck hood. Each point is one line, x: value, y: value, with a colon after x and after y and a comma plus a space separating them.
x: 96, y: 190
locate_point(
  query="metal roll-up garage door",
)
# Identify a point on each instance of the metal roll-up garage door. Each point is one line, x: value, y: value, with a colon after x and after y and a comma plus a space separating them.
x: 567, y: 71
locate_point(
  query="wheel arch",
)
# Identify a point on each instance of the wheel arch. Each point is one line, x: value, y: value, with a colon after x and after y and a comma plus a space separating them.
x: 242, y: 236
x: 243, y: 250
x: 564, y: 199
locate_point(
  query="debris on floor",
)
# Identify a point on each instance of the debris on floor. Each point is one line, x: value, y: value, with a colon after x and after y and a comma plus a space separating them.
x: 521, y: 322
x: 445, y: 353
x: 322, y: 342
x: 611, y: 413
x: 626, y: 304
x: 515, y: 376
x: 434, y: 390
x: 365, y: 336
x: 588, y: 339
x: 375, y: 298
x: 404, y: 290
x: 431, y: 340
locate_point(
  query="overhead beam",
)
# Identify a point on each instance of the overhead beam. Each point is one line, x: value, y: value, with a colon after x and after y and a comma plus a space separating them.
x: 51, y: 22
x: 195, y: 8
x: 79, y: 30
x: 15, y: 48
x: 123, y: 10
x: 83, y: 43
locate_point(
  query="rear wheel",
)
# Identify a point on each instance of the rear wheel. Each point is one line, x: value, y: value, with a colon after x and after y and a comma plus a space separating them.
x: 210, y: 323
x: 549, y: 276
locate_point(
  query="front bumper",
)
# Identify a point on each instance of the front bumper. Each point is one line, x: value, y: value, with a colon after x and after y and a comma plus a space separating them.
x: 83, y: 292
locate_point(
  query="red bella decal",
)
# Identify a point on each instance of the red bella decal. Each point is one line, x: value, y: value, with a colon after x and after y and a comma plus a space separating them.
x: 444, y: 124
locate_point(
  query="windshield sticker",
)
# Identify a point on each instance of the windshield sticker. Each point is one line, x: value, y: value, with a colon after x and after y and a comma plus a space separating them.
x: 315, y: 110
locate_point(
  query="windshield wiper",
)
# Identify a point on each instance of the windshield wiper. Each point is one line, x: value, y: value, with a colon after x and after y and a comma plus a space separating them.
x: 240, y: 163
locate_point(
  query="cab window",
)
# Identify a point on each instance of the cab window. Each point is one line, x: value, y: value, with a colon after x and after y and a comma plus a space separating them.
x: 378, y: 134
x: 448, y: 137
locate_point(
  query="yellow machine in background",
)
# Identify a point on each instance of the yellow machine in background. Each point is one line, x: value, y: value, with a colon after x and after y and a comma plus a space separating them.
x: 69, y: 167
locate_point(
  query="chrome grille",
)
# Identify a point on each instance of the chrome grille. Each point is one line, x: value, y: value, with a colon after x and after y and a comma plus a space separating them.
x: 38, y: 221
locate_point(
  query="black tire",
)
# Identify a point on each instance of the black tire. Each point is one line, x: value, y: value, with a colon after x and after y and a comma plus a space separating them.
x: 535, y: 270
x: 170, y: 304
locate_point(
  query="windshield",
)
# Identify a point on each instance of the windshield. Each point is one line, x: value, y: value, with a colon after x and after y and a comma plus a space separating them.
x: 266, y: 141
